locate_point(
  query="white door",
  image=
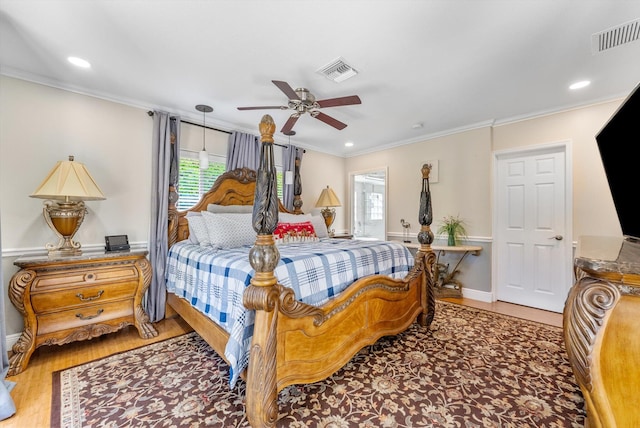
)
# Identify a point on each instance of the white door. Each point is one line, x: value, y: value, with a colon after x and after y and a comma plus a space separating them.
x: 533, y: 243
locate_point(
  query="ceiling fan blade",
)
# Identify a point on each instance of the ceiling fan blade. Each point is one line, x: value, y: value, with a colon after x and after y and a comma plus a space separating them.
x: 330, y: 121
x: 262, y: 107
x: 288, y: 90
x: 341, y: 101
x: 288, y: 126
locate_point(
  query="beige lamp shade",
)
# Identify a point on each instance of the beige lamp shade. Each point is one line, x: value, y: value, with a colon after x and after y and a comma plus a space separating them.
x: 328, y: 198
x: 69, y: 181
x: 66, y: 187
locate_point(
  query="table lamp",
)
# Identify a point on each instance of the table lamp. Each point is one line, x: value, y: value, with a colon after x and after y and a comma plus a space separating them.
x: 66, y: 187
x: 328, y: 199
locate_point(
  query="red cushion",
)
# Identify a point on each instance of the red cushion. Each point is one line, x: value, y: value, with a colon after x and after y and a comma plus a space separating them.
x: 294, y: 231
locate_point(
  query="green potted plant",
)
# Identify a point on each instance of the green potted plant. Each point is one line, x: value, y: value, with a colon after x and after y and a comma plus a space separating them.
x: 455, y: 228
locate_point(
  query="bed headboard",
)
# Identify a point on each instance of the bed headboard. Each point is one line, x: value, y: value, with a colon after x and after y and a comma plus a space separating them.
x: 236, y: 187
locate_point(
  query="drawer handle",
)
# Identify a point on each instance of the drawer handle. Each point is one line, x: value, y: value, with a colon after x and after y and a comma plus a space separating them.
x: 88, y: 317
x: 87, y: 299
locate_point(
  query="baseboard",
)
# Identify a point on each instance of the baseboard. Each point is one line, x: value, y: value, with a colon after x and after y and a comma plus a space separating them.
x: 482, y: 296
x: 11, y: 340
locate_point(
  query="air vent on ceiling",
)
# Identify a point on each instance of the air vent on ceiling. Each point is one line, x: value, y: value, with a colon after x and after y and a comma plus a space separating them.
x: 615, y: 36
x: 337, y: 70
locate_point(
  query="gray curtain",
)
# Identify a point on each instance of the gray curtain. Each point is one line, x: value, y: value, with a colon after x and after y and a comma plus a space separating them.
x: 165, y: 156
x: 7, y: 408
x: 243, y: 151
x: 289, y: 155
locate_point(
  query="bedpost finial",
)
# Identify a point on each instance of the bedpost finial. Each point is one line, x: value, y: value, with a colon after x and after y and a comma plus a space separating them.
x: 267, y: 128
x: 426, y: 169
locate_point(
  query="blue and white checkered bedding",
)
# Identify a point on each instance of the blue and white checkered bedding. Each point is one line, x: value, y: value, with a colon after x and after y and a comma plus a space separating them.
x: 214, y: 280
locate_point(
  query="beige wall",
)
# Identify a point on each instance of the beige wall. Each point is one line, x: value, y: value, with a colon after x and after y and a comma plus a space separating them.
x: 593, y: 209
x: 466, y: 178
x: 40, y: 125
x: 464, y: 162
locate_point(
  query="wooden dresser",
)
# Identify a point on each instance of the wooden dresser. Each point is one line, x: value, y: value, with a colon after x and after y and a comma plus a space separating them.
x: 602, y: 330
x: 66, y: 299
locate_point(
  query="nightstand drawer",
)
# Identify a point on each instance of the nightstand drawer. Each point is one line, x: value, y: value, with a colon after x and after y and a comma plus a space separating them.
x: 82, y: 296
x: 52, y: 280
x: 78, y: 317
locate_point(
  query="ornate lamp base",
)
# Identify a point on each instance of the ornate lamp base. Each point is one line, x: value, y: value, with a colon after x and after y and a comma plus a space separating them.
x: 64, y: 218
x: 329, y: 215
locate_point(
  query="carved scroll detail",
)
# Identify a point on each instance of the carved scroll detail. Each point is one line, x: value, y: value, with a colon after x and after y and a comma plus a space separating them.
x: 585, y: 311
x: 85, y: 333
x: 19, y: 284
x: 262, y: 393
x: 145, y: 328
x: 293, y: 308
x: 22, y: 350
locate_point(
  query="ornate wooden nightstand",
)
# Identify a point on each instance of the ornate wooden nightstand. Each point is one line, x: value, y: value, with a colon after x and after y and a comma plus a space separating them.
x: 66, y: 299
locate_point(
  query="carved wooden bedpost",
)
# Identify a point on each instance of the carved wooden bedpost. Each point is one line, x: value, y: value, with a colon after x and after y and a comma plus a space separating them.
x: 262, y: 295
x: 172, y: 227
x: 297, y: 188
x: 425, y: 254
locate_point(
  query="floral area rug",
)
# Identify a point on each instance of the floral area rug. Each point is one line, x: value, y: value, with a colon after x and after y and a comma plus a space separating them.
x: 472, y: 368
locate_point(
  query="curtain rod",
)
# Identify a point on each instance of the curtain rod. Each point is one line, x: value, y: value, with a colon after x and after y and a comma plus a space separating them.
x: 150, y: 113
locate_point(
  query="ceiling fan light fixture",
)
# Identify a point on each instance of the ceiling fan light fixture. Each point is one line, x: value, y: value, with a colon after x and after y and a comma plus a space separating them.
x: 337, y: 70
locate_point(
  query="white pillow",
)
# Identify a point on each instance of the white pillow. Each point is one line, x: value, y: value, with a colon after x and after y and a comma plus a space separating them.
x: 293, y: 218
x: 320, y: 226
x: 198, y: 233
x: 229, y: 230
x: 215, y: 208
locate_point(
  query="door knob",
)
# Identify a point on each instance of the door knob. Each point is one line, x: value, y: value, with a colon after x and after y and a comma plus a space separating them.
x: 557, y: 237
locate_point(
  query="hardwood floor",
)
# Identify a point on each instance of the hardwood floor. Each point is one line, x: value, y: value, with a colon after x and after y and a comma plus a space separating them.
x: 519, y: 311
x: 32, y: 393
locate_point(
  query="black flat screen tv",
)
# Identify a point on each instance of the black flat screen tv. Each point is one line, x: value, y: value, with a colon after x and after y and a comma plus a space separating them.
x: 618, y: 142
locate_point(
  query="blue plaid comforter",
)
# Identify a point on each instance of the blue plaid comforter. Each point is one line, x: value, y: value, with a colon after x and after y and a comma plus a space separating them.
x: 214, y: 280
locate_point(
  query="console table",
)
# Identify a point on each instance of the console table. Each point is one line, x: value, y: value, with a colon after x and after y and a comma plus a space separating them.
x: 602, y: 330
x: 446, y: 283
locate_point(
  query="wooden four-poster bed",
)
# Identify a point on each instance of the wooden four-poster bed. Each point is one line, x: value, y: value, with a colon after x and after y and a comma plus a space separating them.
x: 293, y: 342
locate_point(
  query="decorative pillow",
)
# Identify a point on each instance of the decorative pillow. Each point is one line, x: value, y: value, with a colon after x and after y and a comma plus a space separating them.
x: 320, y: 226
x: 316, y: 220
x: 198, y: 233
x: 215, y: 208
x: 229, y: 230
x: 294, y: 232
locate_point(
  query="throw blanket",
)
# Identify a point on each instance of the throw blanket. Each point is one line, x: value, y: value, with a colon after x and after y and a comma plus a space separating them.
x: 214, y: 280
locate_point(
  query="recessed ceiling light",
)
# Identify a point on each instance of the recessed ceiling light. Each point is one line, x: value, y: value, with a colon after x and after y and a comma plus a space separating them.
x: 348, y: 144
x: 579, y: 85
x: 417, y: 125
x: 79, y: 62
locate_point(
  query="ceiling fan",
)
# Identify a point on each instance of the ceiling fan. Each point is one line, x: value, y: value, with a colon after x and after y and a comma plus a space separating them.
x: 302, y: 101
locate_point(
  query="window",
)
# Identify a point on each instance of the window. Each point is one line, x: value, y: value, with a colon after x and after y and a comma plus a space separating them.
x: 375, y: 206
x: 194, y: 182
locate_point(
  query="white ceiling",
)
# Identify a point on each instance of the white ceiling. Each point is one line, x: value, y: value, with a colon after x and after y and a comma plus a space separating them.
x: 447, y: 64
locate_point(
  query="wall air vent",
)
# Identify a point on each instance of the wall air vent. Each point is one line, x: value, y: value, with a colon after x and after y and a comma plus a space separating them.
x: 337, y: 70
x: 615, y: 36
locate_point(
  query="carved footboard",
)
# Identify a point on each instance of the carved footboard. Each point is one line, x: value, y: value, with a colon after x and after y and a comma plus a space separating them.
x: 297, y: 343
